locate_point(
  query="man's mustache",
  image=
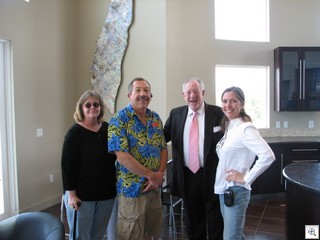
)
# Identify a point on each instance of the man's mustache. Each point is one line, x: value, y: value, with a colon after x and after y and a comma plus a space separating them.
x: 145, y: 97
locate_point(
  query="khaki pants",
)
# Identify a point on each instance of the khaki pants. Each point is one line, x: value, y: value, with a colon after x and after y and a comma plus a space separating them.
x: 139, y: 217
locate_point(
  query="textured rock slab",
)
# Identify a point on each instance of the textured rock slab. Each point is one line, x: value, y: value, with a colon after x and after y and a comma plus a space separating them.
x: 110, y: 49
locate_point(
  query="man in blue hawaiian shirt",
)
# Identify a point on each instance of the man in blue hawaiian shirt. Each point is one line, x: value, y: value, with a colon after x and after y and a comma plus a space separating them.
x: 136, y: 136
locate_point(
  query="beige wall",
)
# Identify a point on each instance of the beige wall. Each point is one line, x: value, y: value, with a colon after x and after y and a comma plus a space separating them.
x: 193, y: 51
x: 169, y: 41
x: 145, y: 55
x: 42, y: 35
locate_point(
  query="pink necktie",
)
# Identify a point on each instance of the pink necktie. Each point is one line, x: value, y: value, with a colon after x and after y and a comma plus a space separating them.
x: 194, y: 164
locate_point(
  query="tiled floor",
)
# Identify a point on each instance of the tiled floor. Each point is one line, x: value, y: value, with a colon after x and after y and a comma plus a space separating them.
x: 265, y: 220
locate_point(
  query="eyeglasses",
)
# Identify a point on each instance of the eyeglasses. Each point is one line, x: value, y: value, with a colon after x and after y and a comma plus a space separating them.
x: 195, y: 92
x: 94, y: 104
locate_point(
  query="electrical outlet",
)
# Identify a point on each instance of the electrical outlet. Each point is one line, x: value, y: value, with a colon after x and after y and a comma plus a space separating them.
x: 311, y: 124
x: 278, y: 124
x: 285, y: 124
x: 51, y: 178
x: 39, y: 132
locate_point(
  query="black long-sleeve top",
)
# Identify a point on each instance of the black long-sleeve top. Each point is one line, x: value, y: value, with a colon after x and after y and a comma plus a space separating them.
x: 86, y: 165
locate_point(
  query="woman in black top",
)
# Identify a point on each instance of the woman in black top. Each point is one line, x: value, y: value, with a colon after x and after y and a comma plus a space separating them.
x: 88, y: 170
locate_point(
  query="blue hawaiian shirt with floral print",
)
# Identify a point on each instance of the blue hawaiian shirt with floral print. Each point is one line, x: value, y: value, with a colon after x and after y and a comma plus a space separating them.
x: 126, y: 133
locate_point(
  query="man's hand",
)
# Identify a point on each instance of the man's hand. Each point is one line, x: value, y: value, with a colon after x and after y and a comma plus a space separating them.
x: 156, y: 179
x: 148, y: 187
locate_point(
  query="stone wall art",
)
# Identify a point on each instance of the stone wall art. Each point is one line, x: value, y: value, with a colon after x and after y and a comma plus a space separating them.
x: 110, y: 50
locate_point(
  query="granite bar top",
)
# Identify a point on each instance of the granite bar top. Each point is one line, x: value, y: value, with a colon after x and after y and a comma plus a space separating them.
x: 291, y: 139
x: 290, y: 133
x: 306, y: 175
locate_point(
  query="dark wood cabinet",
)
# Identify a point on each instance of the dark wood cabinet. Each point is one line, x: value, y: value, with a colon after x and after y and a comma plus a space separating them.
x: 297, y: 78
x: 272, y: 180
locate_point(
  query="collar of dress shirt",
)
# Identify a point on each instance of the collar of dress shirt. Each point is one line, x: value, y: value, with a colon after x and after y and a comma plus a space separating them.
x: 200, y: 110
x: 234, y: 122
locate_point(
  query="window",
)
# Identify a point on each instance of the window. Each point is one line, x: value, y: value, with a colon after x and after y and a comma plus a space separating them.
x: 242, y: 20
x: 8, y: 186
x: 2, y: 126
x: 254, y: 81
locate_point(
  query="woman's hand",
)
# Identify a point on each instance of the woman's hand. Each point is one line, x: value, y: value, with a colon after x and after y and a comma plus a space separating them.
x: 233, y: 175
x: 73, y: 200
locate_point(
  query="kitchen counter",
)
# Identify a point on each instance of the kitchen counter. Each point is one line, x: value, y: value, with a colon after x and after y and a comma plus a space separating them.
x: 291, y: 139
x: 304, y: 175
x: 303, y: 198
x: 289, y: 132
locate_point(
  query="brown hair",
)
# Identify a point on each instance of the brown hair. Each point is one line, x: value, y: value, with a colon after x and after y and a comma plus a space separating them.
x: 130, y: 86
x: 240, y: 95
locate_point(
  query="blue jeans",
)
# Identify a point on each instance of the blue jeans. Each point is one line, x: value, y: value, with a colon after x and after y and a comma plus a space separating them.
x: 112, y: 226
x: 235, y: 215
x: 92, y: 219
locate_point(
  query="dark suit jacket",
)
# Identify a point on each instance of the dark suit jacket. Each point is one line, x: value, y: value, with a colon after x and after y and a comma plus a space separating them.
x: 173, y: 130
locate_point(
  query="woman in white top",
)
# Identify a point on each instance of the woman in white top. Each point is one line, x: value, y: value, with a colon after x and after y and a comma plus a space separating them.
x: 237, y: 151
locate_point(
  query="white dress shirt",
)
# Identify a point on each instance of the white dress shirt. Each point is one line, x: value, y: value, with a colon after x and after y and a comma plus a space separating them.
x: 237, y: 150
x: 186, y: 135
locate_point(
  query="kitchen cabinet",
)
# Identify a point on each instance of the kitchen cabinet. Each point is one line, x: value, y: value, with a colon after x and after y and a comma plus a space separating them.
x: 272, y: 181
x: 297, y: 78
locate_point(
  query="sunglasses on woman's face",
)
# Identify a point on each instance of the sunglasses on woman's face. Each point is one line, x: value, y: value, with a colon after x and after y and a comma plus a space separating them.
x: 94, y: 104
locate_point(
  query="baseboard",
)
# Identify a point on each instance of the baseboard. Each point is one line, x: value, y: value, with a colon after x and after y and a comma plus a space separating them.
x: 37, y: 207
x: 268, y: 196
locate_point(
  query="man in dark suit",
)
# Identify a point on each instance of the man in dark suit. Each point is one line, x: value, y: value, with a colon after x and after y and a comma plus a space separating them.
x: 196, y: 188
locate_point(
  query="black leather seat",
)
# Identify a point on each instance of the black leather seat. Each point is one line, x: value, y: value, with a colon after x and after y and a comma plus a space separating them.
x: 32, y: 226
x: 171, y: 201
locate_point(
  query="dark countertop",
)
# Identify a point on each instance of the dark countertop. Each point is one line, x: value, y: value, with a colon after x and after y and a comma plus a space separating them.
x: 302, y: 198
x: 291, y: 139
x: 306, y: 175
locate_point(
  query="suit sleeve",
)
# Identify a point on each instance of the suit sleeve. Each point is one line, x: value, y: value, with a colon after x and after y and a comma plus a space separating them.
x: 167, y: 128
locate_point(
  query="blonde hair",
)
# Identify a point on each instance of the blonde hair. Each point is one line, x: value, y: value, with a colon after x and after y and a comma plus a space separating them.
x: 79, y: 115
